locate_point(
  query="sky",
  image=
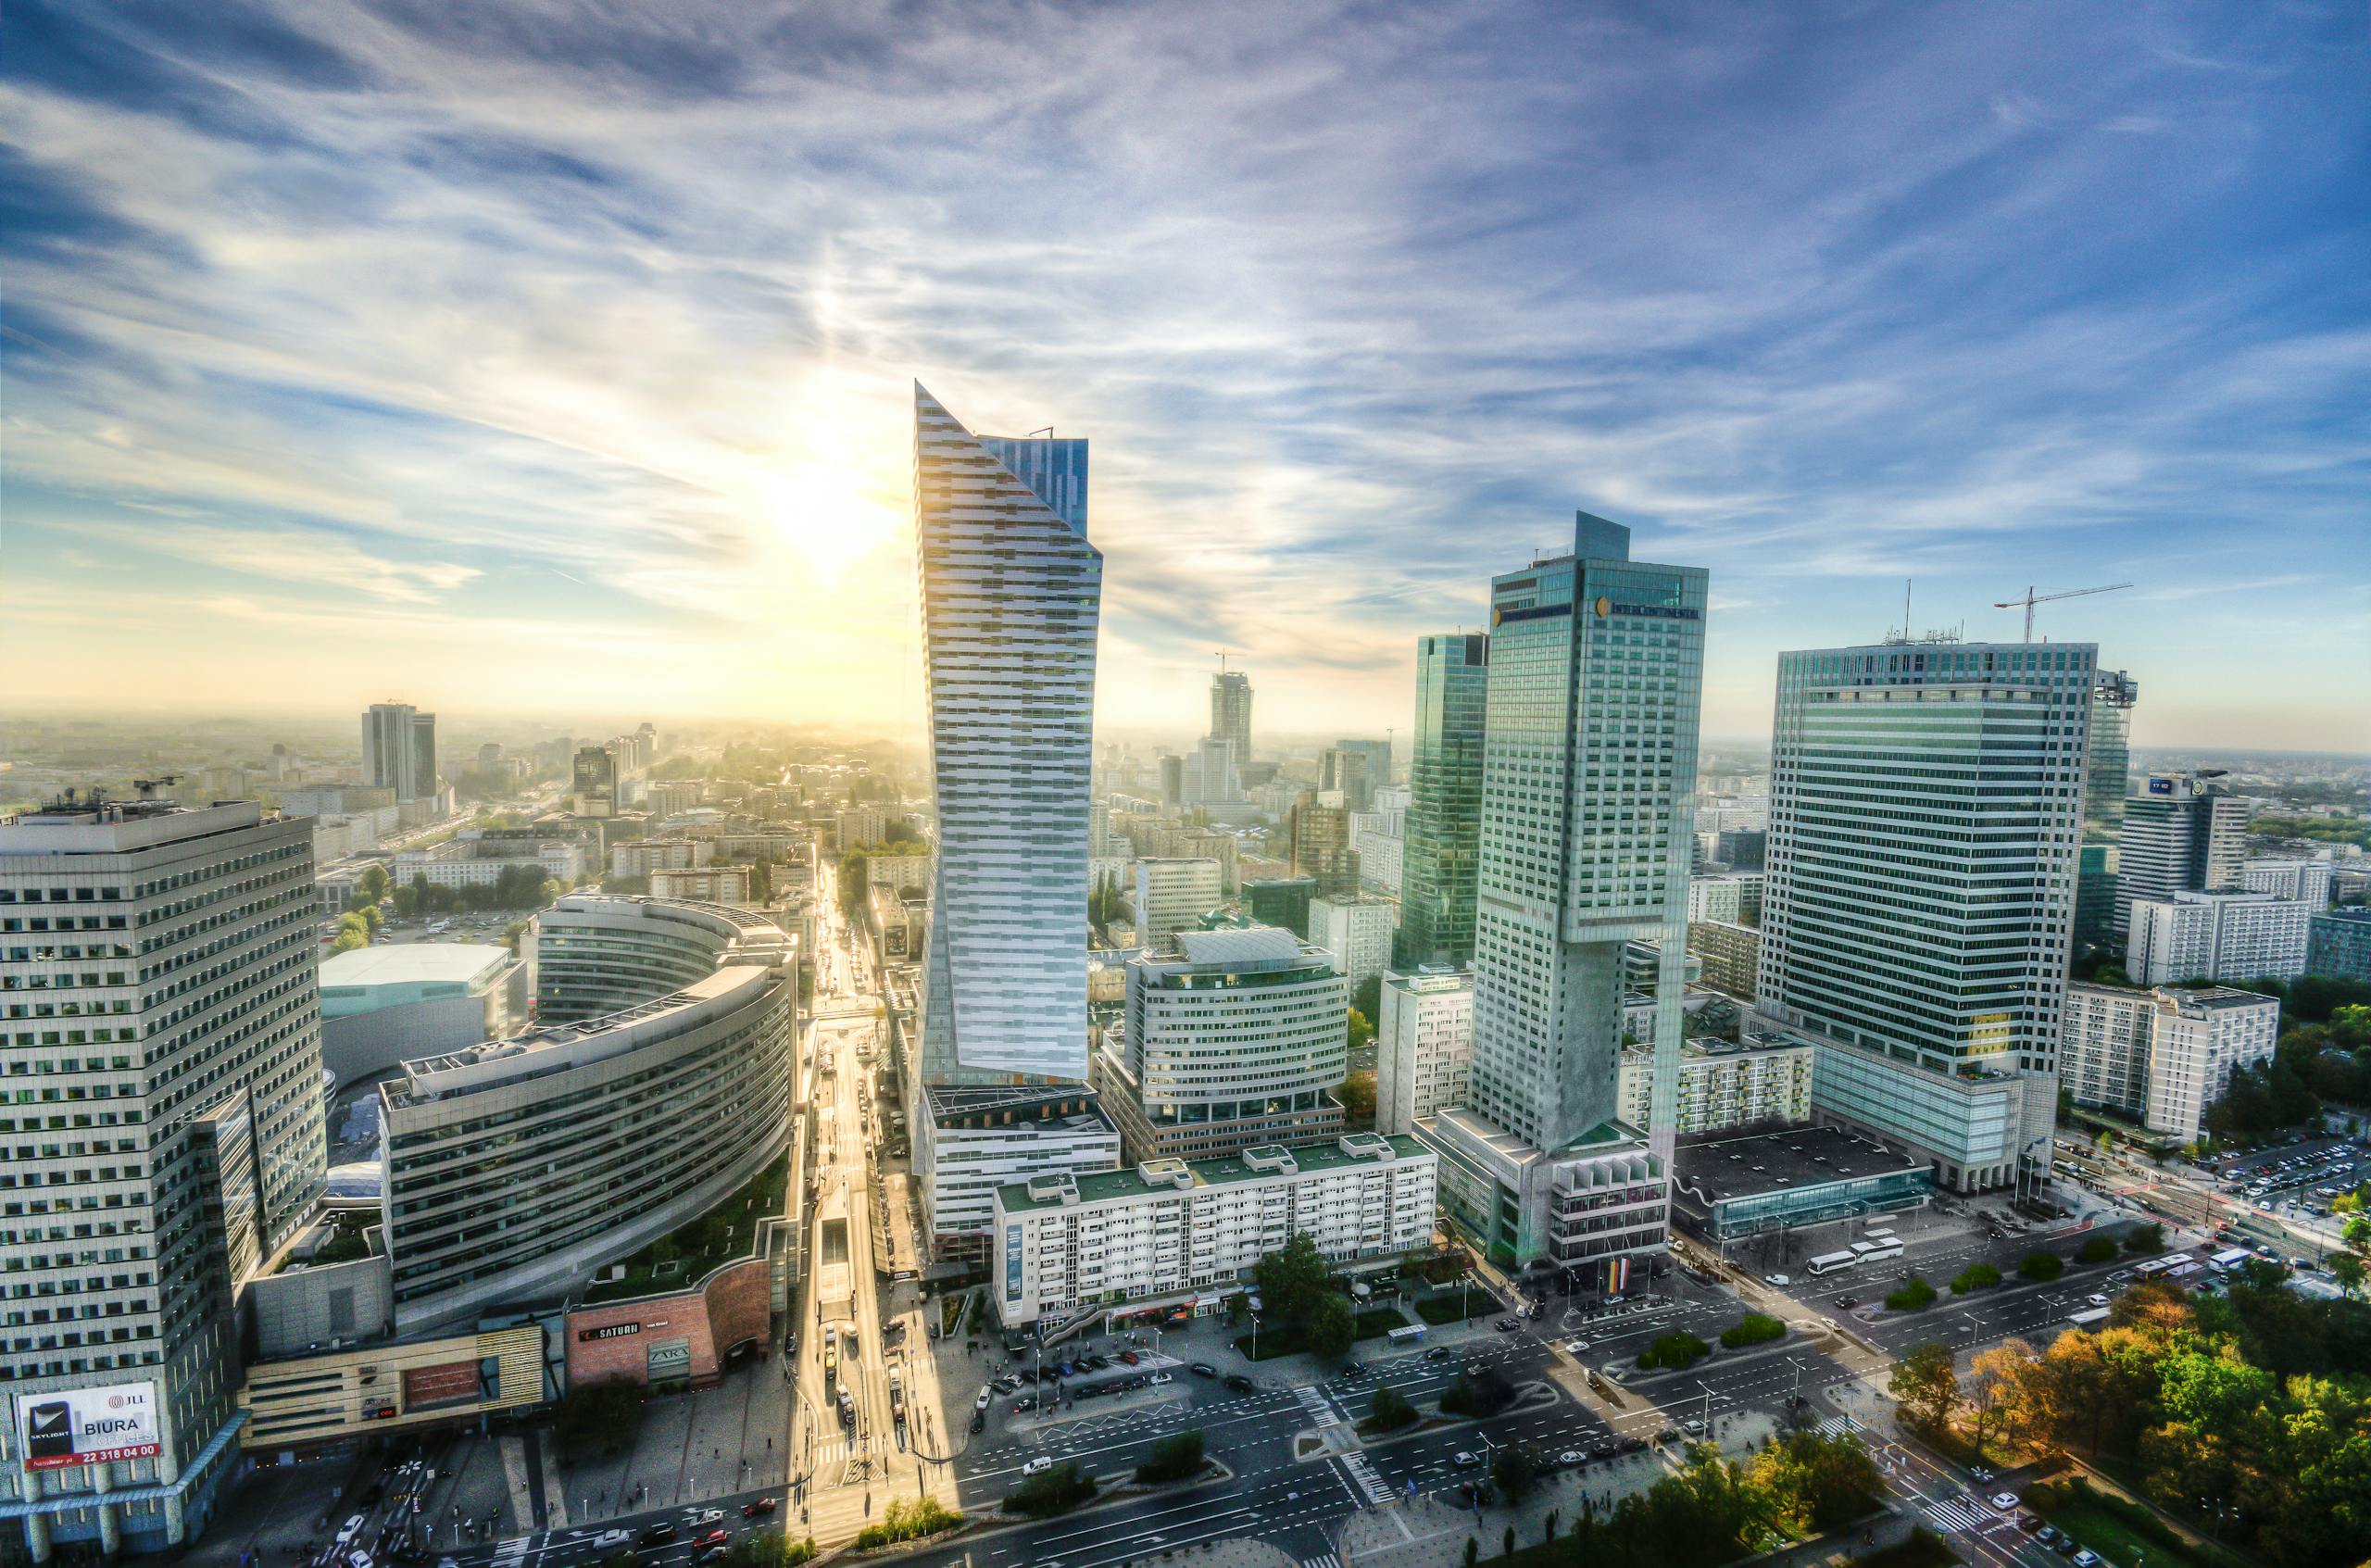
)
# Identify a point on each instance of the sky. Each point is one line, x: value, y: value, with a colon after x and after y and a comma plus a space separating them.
x: 541, y: 358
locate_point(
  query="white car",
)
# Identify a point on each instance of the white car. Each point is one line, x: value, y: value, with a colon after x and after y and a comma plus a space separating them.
x: 1157, y: 1379
x: 1576, y: 1346
x: 699, y: 1516
x: 1777, y: 1282
x: 1037, y: 1466
x: 1571, y: 1456
x: 1465, y: 1461
x: 2004, y: 1501
x: 2096, y: 1300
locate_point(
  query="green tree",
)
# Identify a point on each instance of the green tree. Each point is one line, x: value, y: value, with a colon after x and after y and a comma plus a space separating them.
x: 2148, y: 1238
x: 1361, y: 1028
x: 373, y: 882
x: 1815, y: 1482
x: 2042, y: 1265
x: 1173, y: 1458
x: 1926, y: 1385
x: 1291, y: 1279
x: 1329, y: 1327
x: 1389, y: 1411
x: 1368, y: 996
x: 854, y: 877
x: 2347, y: 1270
x: 1514, y: 1470
x: 1356, y: 1094
x: 1975, y: 1277
x: 2099, y: 1249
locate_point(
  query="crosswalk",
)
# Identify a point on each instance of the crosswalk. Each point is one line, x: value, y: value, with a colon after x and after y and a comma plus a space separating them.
x: 1953, y: 1514
x: 1372, y: 1485
x: 1323, y: 1560
x: 1838, y: 1425
x: 1317, y: 1405
x: 832, y: 1451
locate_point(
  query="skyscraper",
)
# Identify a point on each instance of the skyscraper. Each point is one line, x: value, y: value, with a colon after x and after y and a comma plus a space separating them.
x: 2182, y: 833
x: 175, y: 1143
x: 1588, y: 769
x: 1925, y: 814
x: 1231, y: 712
x: 1320, y: 836
x: 1011, y: 593
x: 399, y: 749
x: 1444, y: 802
x: 2107, y: 775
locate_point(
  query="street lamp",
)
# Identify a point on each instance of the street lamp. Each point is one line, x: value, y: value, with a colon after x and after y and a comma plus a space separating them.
x: 1255, y: 1336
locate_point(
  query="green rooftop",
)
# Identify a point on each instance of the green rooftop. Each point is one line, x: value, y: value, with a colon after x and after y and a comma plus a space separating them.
x: 1252, y: 1164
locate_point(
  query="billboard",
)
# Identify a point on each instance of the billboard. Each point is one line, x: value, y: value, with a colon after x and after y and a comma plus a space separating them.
x: 430, y: 1387
x: 70, y: 1427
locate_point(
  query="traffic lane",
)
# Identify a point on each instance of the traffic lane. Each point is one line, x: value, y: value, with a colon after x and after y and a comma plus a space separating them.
x: 590, y: 1543
x: 1229, y: 1431
x: 1301, y: 1500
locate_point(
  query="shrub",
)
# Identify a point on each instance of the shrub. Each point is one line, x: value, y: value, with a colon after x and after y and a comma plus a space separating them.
x: 1173, y: 1458
x: 1675, y: 1349
x: 1389, y: 1412
x: 2150, y: 1238
x: 1514, y: 1469
x: 1915, y: 1297
x: 1051, y: 1492
x: 2099, y: 1249
x: 906, y: 1519
x: 1754, y: 1328
x: 2042, y: 1265
x: 1975, y: 1277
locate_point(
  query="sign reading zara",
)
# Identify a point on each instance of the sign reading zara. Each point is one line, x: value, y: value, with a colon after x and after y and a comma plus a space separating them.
x: 70, y: 1427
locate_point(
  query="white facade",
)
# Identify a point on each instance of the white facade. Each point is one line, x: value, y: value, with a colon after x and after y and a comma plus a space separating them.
x: 1724, y: 898
x: 2163, y: 1055
x: 705, y: 884
x: 1012, y: 594
x: 2103, y: 1048
x: 1171, y: 894
x: 1357, y: 931
x: 640, y: 856
x: 1424, y: 1046
x: 2217, y: 936
x: 964, y: 1164
x: 1723, y: 1086
x: 2306, y: 882
x: 1211, y: 778
x: 1169, y: 1227
x: 1383, y: 849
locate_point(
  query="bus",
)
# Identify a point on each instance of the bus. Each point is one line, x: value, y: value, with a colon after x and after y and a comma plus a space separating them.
x: 2158, y: 1268
x: 1879, y: 1233
x: 1876, y: 1251
x: 1829, y: 1262
x: 2089, y: 1321
x: 2230, y: 1258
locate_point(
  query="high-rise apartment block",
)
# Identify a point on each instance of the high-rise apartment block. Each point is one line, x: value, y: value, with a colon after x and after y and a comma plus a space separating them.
x: 1926, y: 810
x: 1726, y: 1085
x: 2183, y: 833
x: 2306, y: 882
x: 2229, y: 935
x: 1589, y: 776
x: 2338, y: 943
x: 1441, y: 842
x: 158, y: 965
x: 1172, y: 896
x: 1237, y: 1042
x: 1011, y: 593
x: 399, y: 749
x: 593, y: 780
x: 1231, y: 712
x: 1321, y: 847
x: 2161, y: 1057
x: 1357, y: 930
x: 2107, y: 775
x: 1424, y: 1046
x: 1735, y: 899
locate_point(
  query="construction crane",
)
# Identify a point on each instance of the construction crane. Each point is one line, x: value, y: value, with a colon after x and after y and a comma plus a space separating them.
x: 2033, y: 599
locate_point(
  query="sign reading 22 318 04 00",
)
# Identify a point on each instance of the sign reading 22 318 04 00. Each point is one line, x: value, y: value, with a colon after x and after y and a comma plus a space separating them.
x: 70, y: 1426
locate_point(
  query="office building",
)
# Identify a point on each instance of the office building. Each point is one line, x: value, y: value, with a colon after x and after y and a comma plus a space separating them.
x: 640, y: 856
x: 705, y: 884
x: 1382, y: 858
x: 2107, y: 779
x: 1357, y: 930
x: 1172, y: 896
x: 594, y: 782
x: 1731, y: 955
x: 1589, y: 776
x: 1424, y: 1046
x: 2338, y: 943
x: 1172, y: 781
x: 1918, y: 909
x: 383, y: 1003
x: 1231, y: 712
x: 1172, y: 1230
x: 1352, y: 771
x: 594, y: 954
x: 2217, y: 936
x: 1725, y: 1084
x: 1733, y: 1185
x: 2304, y: 882
x: 1012, y: 594
x: 158, y: 966
x: 1209, y: 779
x: 1240, y: 1041
x: 2161, y: 1057
x: 399, y: 750
x: 1320, y: 836
x: 2183, y: 833
x: 1444, y: 823
x: 1741, y: 849
x: 1280, y: 900
x: 1735, y: 899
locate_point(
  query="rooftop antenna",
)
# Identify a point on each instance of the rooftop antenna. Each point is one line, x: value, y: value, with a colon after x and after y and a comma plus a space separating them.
x: 1905, y: 608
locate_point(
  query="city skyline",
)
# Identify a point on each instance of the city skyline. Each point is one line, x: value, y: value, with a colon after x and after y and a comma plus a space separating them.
x: 287, y: 368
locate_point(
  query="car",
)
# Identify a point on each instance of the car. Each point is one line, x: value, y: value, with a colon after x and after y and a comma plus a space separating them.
x: 655, y: 1535
x: 1129, y: 1356
x: 979, y: 1421
x: 2005, y: 1502
x: 716, y: 1537
x: 605, y: 1539
x: 1571, y: 1457
x: 1203, y: 1369
x: 2095, y: 1300
x: 1634, y: 1444
x: 2087, y: 1558
x: 1157, y: 1379
x: 2064, y: 1545
x: 2028, y: 1522
x: 1239, y: 1382
x: 1604, y: 1447
x: 1437, y: 1353
x: 1508, y: 1325
x: 1464, y: 1459
x: 695, y: 1517
x: 982, y: 1402
x: 1777, y: 1281
x: 2049, y: 1535
x: 1038, y: 1467
x: 1006, y: 1384
x: 1099, y: 1363
x: 1025, y: 1404
x: 1576, y: 1347
x: 1693, y: 1427
x: 1668, y: 1435
x: 714, y: 1554
x: 760, y: 1508
x: 1847, y: 1302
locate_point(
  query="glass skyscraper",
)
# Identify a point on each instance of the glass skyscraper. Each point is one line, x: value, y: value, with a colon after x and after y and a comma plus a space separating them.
x: 1444, y: 802
x: 1231, y: 712
x: 1926, y: 816
x: 2107, y: 778
x: 1588, y: 769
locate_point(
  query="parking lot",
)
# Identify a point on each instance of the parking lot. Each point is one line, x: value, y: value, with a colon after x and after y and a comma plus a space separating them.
x: 2305, y: 1174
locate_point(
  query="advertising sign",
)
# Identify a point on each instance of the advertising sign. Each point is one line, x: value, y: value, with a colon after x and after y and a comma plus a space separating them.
x: 452, y: 1383
x: 87, y: 1425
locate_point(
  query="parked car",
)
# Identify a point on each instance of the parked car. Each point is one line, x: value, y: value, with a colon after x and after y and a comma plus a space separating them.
x: 1037, y: 1466
x: 655, y: 1535
x: 1571, y: 1457
x: 1203, y: 1369
x: 1777, y: 1281
x: 2028, y: 1522
x: 1239, y: 1382
x: 716, y: 1537
x: 1437, y: 1353
x: 1576, y: 1347
x: 1157, y: 1379
x: 2087, y: 1559
x: 1025, y: 1404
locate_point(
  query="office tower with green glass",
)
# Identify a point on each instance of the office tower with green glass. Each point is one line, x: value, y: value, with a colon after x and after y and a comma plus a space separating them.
x: 1444, y: 802
x: 1926, y: 819
x: 2107, y: 776
x: 1588, y: 774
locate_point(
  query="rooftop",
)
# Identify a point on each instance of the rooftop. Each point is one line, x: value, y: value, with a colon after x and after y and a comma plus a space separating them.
x: 1719, y: 1166
x: 1178, y: 1175
x: 413, y: 963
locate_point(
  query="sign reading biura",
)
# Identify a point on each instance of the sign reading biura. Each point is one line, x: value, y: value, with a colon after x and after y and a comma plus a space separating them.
x: 87, y: 1425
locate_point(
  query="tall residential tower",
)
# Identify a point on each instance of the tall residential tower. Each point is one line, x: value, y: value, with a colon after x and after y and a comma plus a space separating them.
x: 1588, y: 769
x: 1231, y: 712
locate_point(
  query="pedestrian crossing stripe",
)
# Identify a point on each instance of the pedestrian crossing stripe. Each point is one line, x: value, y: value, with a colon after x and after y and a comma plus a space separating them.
x: 1959, y: 1516
x: 1316, y: 1405
x: 1376, y: 1488
x: 1326, y: 1559
x: 1837, y: 1425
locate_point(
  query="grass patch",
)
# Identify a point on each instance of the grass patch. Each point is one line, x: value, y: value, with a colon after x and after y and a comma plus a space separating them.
x: 1916, y: 1296
x: 1975, y: 1278
x: 1754, y: 1328
x: 2119, y: 1530
x: 1376, y: 1321
x: 1675, y: 1349
x: 1174, y: 1458
x: 724, y: 1233
x: 1443, y: 1308
x: 1921, y: 1548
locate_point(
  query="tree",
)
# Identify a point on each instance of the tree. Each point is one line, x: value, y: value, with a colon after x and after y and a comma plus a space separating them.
x: 1388, y: 1412
x: 1926, y: 1385
x: 1975, y: 1278
x: 2148, y: 1238
x: 1993, y: 1386
x: 1291, y: 1279
x: 1329, y: 1327
x: 1815, y: 1482
x: 2099, y: 1249
x: 1173, y: 1458
x: 2042, y: 1265
x: 1368, y: 997
x: 1356, y: 1094
x: 1513, y: 1469
x: 2357, y: 1234
x: 373, y: 882
x: 2347, y: 1270
x: 1362, y: 1029
x: 854, y: 879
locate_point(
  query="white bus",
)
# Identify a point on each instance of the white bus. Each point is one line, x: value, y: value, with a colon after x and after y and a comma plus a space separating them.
x: 2158, y: 1268
x: 2230, y: 1258
x: 1876, y: 1251
x: 2089, y: 1321
x: 1829, y: 1263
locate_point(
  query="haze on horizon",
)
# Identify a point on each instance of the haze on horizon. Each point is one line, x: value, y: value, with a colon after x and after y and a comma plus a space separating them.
x: 543, y: 360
